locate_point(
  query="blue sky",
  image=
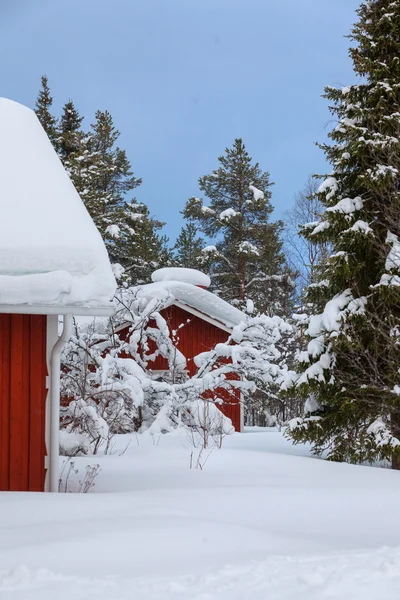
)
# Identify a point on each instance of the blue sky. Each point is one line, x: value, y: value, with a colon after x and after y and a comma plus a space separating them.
x: 183, y: 78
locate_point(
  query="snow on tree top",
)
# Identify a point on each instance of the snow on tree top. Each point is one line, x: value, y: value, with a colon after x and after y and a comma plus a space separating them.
x: 180, y: 274
x: 50, y: 250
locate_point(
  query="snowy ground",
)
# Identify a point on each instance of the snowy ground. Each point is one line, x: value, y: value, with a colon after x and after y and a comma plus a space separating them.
x: 262, y: 521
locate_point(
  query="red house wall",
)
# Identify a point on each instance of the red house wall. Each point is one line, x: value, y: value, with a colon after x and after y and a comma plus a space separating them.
x: 23, y: 392
x: 195, y: 337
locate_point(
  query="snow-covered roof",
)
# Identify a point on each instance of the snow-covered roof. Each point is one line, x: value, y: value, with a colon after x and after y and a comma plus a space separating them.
x: 196, y: 298
x: 51, y: 254
x: 181, y: 274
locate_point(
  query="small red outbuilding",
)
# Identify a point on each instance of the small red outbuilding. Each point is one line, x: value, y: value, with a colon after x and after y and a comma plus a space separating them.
x: 201, y: 320
x: 52, y: 262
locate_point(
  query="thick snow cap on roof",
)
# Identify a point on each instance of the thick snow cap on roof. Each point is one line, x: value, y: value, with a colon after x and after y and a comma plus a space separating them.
x: 180, y: 274
x: 50, y: 250
x: 201, y: 300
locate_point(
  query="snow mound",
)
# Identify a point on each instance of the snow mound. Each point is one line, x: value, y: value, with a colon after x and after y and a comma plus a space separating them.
x: 50, y: 250
x: 180, y: 274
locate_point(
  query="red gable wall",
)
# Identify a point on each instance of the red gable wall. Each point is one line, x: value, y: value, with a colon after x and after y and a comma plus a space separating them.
x: 195, y: 337
x: 23, y: 392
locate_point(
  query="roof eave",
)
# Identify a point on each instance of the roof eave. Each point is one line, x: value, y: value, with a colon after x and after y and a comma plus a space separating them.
x: 205, y: 317
x: 43, y: 309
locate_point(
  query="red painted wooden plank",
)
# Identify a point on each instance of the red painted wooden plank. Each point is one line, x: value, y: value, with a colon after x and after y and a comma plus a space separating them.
x: 25, y: 408
x: 37, y: 396
x: 3, y: 421
x: 16, y: 405
x: 44, y: 396
x: 22, y: 401
x: 4, y: 401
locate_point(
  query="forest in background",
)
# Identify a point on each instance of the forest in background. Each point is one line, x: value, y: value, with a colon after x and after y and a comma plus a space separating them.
x: 331, y: 273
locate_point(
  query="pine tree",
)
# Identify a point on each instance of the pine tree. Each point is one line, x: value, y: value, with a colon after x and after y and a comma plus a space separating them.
x: 43, y: 105
x: 247, y: 259
x: 351, y: 371
x: 188, y: 247
x: 138, y: 245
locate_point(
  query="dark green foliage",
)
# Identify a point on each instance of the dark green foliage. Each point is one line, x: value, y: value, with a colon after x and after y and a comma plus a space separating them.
x: 248, y: 261
x: 43, y: 105
x: 139, y: 247
x: 352, y: 361
x: 188, y: 247
x: 110, y: 179
x: 70, y: 132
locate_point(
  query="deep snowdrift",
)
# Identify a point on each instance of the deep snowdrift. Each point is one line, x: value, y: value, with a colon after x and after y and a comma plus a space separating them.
x: 50, y: 249
x: 257, y: 523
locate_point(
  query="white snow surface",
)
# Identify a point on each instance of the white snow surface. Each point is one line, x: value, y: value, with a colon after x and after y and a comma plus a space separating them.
x: 50, y: 250
x: 347, y: 206
x: 202, y: 300
x: 393, y: 258
x: 322, y: 226
x: 257, y: 194
x: 330, y: 319
x: 330, y: 184
x: 227, y: 214
x: 210, y: 249
x: 181, y: 274
x: 261, y: 521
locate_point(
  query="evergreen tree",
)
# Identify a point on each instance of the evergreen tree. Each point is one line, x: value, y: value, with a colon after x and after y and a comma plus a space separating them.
x: 74, y: 151
x: 71, y: 134
x: 351, y: 371
x: 138, y: 245
x: 247, y: 259
x: 43, y: 105
x: 102, y: 175
x: 188, y: 247
x: 109, y: 180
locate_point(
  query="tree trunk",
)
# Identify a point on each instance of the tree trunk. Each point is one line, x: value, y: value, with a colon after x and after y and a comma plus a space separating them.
x: 242, y: 283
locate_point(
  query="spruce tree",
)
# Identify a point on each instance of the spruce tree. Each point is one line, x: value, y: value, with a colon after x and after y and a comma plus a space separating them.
x: 43, y: 105
x: 247, y: 260
x: 188, y: 247
x: 351, y: 373
x: 70, y: 136
x: 140, y: 248
x: 74, y: 151
x: 101, y: 173
x: 109, y: 180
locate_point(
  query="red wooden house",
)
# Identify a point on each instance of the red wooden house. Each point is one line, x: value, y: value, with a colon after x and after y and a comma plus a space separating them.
x: 52, y: 262
x: 208, y: 320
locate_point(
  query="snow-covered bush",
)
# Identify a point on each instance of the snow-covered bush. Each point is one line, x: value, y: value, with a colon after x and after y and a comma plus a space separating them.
x: 204, y: 417
x: 73, y: 443
x: 108, y: 387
